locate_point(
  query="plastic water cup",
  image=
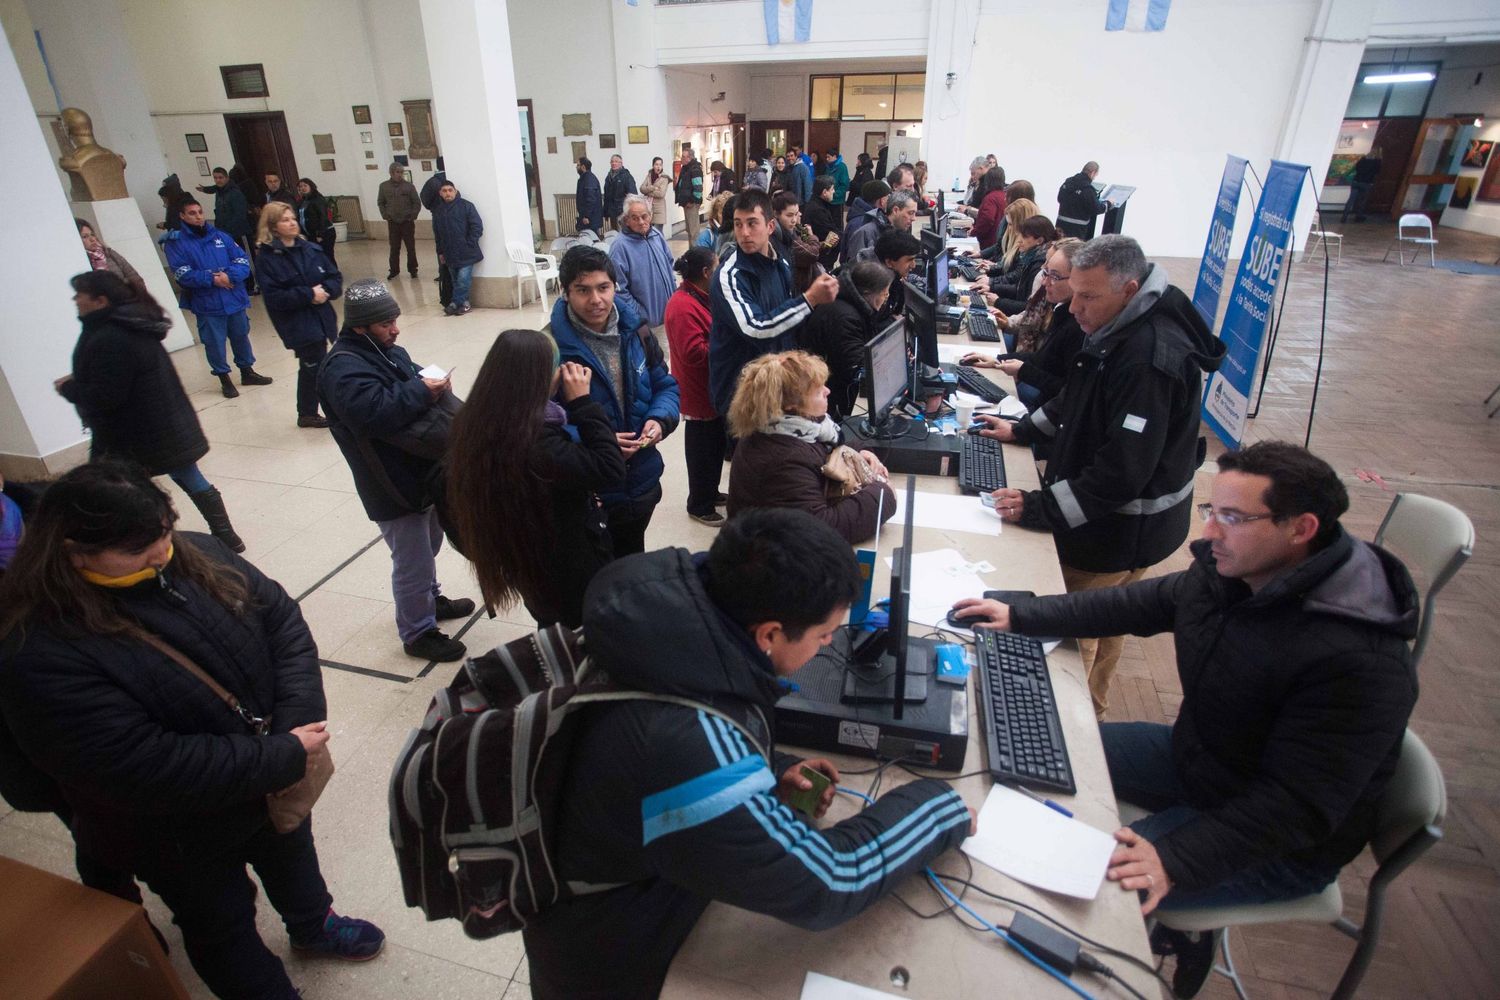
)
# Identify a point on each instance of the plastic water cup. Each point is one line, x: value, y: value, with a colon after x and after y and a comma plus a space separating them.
x: 965, y: 415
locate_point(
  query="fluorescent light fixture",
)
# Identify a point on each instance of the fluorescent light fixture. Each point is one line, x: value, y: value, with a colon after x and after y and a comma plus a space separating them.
x: 1418, y: 76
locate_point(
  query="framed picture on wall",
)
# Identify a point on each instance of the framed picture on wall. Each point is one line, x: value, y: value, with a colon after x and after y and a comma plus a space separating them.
x: 638, y: 134
x: 361, y: 114
x: 326, y: 165
x: 196, y: 142
x: 203, y: 170
x: 323, y: 142
x: 606, y: 140
x: 580, y: 150
x: 367, y: 137
x: 397, y: 145
x: 1489, y: 186
x: 394, y: 129
x: 1478, y: 152
x: 1463, y: 192
x: 551, y: 143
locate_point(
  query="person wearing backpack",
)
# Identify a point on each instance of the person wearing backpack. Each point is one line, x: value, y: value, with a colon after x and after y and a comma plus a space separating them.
x: 686, y: 808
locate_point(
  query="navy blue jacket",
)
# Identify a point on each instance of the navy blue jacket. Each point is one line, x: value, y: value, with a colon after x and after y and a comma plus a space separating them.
x: 649, y: 393
x: 287, y: 275
x: 590, y: 202
x: 370, y: 391
x: 194, y: 259
x: 756, y: 310
x: 456, y: 227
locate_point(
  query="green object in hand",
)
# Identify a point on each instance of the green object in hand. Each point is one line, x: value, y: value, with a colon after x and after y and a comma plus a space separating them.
x: 807, y: 801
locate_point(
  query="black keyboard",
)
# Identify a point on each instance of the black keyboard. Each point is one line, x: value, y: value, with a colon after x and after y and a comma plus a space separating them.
x: 970, y: 380
x: 1022, y: 734
x: 965, y: 269
x: 981, y: 327
x: 981, y: 465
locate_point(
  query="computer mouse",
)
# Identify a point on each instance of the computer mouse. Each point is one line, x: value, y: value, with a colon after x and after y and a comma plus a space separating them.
x: 975, y: 428
x: 968, y: 621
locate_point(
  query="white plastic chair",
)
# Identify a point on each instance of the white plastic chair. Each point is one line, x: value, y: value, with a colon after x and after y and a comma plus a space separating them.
x: 1434, y: 539
x: 539, y: 267
x: 1421, y: 224
x: 1318, y: 235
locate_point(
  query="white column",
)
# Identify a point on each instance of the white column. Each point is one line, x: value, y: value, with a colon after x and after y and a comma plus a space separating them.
x: 641, y: 94
x: 479, y: 130
x: 37, y: 427
x: 950, y: 54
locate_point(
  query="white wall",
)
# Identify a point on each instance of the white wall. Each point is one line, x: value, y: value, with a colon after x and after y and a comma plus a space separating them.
x: 1456, y: 21
x: 719, y: 33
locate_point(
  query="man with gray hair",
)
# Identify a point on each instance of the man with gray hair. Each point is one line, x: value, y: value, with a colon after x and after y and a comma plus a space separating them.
x: 899, y: 214
x: 643, y: 262
x: 977, y: 167
x: 1122, y: 436
x: 1078, y: 203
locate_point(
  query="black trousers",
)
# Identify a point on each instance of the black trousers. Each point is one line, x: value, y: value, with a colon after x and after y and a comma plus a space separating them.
x: 326, y: 241
x: 247, y: 242
x: 703, y: 442
x: 213, y: 901
x: 445, y: 285
x: 309, y: 357
x: 628, y: 522
x: 403, y: 232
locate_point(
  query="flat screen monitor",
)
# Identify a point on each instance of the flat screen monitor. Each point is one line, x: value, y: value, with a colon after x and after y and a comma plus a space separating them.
x: 937, y: 278
x: 900, y: 607
x: 921, y: 317
x: 932, y: 243
x: 886, y: 372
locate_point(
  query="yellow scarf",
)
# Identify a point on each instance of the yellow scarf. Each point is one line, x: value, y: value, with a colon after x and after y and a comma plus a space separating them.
x: 130, y: 580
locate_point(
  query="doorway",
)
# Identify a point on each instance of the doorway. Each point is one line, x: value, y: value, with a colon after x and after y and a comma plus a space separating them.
x: 260, y: 143
x: 1431, y: 167
x: 533, y: 176
x: 736, y: 143
x: 776, y: 136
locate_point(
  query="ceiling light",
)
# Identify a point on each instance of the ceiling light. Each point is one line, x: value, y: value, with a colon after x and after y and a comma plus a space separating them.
x: 1418, y: 76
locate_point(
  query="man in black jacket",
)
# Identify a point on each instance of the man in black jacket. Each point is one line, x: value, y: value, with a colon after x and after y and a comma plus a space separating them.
x: 1297, y: 684
x: 617, y: 184
x: 687, y: 189
x: 387, y: 419
x: 1119, y: 485
x: 684, y: 808
x: 838, y: 331
x: 1078, y: 203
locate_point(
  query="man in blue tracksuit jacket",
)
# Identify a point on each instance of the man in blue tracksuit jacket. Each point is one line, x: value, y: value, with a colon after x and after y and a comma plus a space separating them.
x: 630, y: 381
x: 211, y: 268
x: 683, y: 807
x: 755, y: 306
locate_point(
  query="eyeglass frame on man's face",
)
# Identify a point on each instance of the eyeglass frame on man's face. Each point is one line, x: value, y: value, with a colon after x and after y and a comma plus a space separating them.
x: 1232, y: 518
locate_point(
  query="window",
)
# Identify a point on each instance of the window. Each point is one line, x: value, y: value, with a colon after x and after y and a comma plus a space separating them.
x: 910, y: 93
x: 1391, y: 100
x: 824, y: 98
x: 244, y: 81
x: 878, y: 97
x: 869, y: 96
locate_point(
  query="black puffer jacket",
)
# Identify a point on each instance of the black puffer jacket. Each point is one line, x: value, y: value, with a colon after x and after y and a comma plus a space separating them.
x: 127, y: 391
x: 837, y: 332
x: 1046, y: 368
x: 1294, y: 699
x: 679, y: 805
x: 150, y: 759
x: 1118, y: 492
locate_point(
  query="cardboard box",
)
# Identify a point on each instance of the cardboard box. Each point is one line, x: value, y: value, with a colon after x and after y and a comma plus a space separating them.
x: 61, y: 939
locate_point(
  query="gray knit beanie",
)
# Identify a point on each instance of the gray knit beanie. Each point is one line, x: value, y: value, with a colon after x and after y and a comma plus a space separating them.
x: 367, y: 302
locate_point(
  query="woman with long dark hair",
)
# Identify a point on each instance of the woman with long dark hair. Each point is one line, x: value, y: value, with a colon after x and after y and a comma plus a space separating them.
x: 127, y: 392
x: 521, y: 490
x: 103, y: 610
x: 864, y: 173
x: 315, y: 219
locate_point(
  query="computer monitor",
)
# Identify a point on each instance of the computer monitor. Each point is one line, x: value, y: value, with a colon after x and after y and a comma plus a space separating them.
x: 921, y: 318
x: 937, y: 278
x: 884, y: 678
x: 886, y: 379
x: 932, y: 243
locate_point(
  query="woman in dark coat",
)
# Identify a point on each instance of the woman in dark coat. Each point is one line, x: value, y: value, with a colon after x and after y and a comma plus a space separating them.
x: 164, y: 778
x: 823, y: 217
x: 315, y: 219
x: 299, y: 284
x: 129, y: 395
x: 864, y: 173
x: 779, y: 418
x: 524, y: 474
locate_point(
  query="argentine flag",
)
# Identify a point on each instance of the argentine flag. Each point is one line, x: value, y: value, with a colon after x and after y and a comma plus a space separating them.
x: 1137, y: 15
x: 788, y: 20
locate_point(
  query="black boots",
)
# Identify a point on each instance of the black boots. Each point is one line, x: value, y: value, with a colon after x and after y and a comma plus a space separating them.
x: 226, y: 385
x: 210, y: 504
x: 249, y: 376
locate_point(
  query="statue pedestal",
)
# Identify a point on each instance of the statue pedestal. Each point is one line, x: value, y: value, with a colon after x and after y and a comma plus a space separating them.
x: 121, y: 226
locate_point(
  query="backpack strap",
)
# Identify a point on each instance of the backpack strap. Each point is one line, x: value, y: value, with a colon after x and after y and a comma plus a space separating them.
x: 372, y: 460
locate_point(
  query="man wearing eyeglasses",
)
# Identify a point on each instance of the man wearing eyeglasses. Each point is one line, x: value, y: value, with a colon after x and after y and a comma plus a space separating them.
x: 1297, y: 683
x: 1123, y: 432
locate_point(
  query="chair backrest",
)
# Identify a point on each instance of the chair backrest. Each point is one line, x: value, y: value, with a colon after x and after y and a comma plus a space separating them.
x: 1415, y: 798
x: 1434, y: 539
x: 1413, y: 220
x: 521, y: 254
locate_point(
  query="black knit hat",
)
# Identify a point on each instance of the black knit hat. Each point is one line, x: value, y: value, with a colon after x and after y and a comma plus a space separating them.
x: 367, y: 302
x: 873, y: 191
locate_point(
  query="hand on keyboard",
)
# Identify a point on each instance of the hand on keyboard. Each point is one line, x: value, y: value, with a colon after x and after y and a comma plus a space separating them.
x: 980, y: 612
x: 979, y: 360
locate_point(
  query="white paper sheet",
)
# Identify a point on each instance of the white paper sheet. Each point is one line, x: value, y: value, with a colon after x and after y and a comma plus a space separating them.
x: 820, y: 987
x: 433, y: 371
x: 1039, y: 846
x: 948, y: 512
x: 939, y: 579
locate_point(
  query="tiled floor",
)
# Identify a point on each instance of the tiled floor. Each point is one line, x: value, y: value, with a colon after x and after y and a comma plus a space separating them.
x: 1411, y: 352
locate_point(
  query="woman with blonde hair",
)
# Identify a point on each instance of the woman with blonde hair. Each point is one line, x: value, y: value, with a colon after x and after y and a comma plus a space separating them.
x: 788, y: 452
x: 298, y: 282
x: 1016, y: 213
x: 710, y: 235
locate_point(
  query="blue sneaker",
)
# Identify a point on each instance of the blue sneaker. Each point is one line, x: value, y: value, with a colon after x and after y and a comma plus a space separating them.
x: 344, y: 937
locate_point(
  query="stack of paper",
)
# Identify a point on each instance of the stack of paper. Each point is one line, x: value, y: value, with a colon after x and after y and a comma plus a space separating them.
x: 949, y: 512
x: 938, y: 579
x: 1034, y: 844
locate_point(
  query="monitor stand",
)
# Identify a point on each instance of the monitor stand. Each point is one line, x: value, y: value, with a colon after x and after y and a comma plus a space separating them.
x: 876, y: 684
x: 894, y: 426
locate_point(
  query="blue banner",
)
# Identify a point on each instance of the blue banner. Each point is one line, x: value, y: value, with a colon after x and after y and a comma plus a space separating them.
x: 1227, y: 399
x: 1216, y: 249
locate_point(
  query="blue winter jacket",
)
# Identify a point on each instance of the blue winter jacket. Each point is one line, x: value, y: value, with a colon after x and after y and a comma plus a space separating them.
x: 756, y: 310
x: 650, y: 393
x: 194, y: 259
x: 287, y: 275
x: 801, y: 180
x: 456, y: 227
x: 643, y: 265
x: 590, y: 202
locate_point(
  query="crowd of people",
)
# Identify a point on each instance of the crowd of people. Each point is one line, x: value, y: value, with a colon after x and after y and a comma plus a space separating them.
x: 1291, y: 634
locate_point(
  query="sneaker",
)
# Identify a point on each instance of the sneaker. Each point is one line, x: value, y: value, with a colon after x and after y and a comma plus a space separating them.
x: 450, y: 310
x: 392, y: 276
x: 311, y: 420
x: 344, y: 937
x: 713, y: 518
x: 226, y: 386
x: 1195, y: 952
x: 413, y: 275
x: 720, y: 499
x: 434, y: 645
x: 249, y: 376
x: 468, y: 308
x: 446, y: 609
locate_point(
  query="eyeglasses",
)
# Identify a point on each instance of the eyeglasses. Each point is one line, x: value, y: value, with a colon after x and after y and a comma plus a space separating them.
x: 1229, y: 518
x: 1050, y: 275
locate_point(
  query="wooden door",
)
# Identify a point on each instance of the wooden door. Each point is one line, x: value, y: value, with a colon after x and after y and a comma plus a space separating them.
x: 737, y: 143
x: 1430, y: 167
x: 775, y: 135
x: 1396, y: 138
x: 261, y: 144
x: 821, y: 137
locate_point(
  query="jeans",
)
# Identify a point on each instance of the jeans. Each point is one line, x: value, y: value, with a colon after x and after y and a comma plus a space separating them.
x: 414, y: 541
x: 1139, y: 756
x: 214, y: 330
x: 309, y: 357
x: 703, y: 442
x: 628, y: 521
x: 190, y: 480
x: 462, y: 276
x: 403, y: 232
x: 213, y: 901
x: 1100, y: 656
